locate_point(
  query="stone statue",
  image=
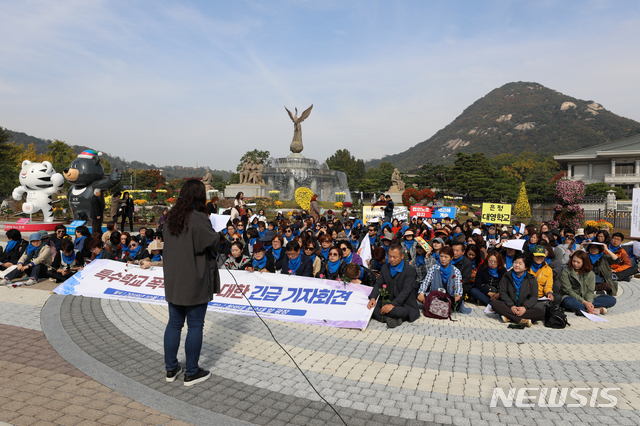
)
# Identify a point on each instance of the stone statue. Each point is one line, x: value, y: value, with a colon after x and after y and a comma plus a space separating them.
x: 208, y: 181
x: 245, y: 171
x: 256, y: 174
x: 397, y: 181
x: 296, y: 144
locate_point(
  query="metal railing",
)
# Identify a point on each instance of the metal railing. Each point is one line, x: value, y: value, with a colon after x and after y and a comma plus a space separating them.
x: 619, y: 219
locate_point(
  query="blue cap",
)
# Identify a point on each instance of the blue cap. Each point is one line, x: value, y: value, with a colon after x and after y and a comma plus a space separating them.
x: 35, y: 237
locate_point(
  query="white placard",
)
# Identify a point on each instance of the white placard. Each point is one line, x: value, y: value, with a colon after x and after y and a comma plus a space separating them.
x: 635, y: 214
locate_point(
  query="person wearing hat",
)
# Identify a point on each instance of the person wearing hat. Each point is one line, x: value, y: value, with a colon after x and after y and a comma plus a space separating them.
x: 542, y: 271
x: 601, y: 259
x: 155, y: 255
x: 261, y: 261
x: 437, y: 243
x: 387, y: 239
x: 46, y: 240
x: 388, y: 209
x: 409, y: 245
x: 67, y: 262
x: 579, y: 235
x: 34, y: 262
x: 492, y: 240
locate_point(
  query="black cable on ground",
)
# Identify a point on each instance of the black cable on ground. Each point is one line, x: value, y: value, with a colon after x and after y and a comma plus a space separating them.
x: 285, y: 351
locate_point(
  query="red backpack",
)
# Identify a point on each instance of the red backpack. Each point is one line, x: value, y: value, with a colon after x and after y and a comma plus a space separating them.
x: 437, y: 305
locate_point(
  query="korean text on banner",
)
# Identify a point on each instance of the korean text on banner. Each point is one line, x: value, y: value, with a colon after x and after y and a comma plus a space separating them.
x: 275, y: 296
x: 496, y: 213
x: 420, y: 211
x: 369, y: 213
x: 635, y: 214
x: 442, y: 212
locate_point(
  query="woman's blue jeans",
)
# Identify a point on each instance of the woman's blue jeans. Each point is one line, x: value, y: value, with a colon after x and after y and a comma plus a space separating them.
x: 193, y: 344
x: 602, y: 301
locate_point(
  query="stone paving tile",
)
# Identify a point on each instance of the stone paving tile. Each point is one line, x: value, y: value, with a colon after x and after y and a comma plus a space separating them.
x: 473, y: 367
x: 37, y: 387
x: 232, y: 396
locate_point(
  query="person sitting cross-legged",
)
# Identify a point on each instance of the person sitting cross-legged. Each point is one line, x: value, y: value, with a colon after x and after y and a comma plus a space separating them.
x: 34, y: 262
x: 397, y: 279
x: 518, y: 300
x: 578, y: 287
x: 625, y: 269
x: 446, y: 276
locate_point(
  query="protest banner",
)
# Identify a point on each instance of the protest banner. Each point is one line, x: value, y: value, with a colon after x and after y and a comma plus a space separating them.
x: 274, y: 296
x: 420, y: 211
x: 442, y: 212
x: 496, y: 213
x: 635, y: 214
x: 377, y: 212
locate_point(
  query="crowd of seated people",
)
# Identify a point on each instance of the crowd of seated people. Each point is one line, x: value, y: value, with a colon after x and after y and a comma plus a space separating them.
x: 472, y: 262
x: 58, y: 256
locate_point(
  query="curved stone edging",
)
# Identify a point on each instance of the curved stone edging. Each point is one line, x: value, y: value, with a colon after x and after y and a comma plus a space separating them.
x: 66, y: 347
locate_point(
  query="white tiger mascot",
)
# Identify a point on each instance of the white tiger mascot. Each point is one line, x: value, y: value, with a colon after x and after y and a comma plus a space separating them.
x: 40, y: 181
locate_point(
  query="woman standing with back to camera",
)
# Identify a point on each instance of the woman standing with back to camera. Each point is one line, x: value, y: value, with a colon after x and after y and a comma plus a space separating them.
x: 190, y: 279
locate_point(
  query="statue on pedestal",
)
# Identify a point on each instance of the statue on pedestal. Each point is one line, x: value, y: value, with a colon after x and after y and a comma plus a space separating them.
x: 251, y: 173
x: 208, y: 180
x: 397, y: 182
x: 296, y: 144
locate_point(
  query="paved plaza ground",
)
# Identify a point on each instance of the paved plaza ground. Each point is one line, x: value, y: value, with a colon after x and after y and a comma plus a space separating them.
x: 80, y: 361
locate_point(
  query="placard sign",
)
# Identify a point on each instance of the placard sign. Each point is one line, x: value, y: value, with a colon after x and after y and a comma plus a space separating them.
x: 420, y: 211
x: 635, y: 214
x: 496, y: 213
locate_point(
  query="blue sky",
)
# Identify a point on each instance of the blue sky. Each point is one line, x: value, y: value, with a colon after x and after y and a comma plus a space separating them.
x: 175, y: 83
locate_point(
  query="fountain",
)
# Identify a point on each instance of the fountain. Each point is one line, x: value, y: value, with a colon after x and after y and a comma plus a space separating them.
x: 290, y: 173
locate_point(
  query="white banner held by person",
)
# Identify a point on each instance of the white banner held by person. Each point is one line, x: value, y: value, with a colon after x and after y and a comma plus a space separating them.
x: 275, y: 296
x: 635, y: 214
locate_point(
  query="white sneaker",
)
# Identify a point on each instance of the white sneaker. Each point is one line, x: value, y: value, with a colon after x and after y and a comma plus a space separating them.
x: 31, y: 281
x: 5, y: 282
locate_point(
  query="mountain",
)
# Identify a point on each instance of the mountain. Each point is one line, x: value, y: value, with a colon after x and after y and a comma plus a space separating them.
x: 514, y: 118
x: 170, y: 172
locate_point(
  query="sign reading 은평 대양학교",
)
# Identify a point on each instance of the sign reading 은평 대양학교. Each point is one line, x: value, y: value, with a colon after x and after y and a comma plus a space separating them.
x: 274, y: 296
x: 496, y: 213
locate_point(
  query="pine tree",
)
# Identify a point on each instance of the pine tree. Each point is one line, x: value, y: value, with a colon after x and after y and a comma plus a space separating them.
x: 522, y: 209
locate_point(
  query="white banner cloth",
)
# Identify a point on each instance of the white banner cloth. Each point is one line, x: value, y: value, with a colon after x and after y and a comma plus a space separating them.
x: 275, y: 296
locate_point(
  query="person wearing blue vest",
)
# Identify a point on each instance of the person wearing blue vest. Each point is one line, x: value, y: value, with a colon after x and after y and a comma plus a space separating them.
x: 397, y: 278
x: 446, y: 276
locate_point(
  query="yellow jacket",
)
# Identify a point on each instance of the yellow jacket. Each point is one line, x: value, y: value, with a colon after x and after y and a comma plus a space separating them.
x: 545, y: 279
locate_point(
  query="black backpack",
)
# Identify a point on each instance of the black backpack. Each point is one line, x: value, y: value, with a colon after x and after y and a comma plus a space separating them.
x: 554, y: 317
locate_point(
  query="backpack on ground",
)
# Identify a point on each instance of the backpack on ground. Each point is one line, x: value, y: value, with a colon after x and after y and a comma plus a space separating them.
x: 437, y: 305
x: 554, y: 317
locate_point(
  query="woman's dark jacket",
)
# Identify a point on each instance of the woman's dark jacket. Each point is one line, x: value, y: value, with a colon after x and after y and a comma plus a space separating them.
x: 528, y: 291
x: 486, y: 283
x: 190, y: 269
